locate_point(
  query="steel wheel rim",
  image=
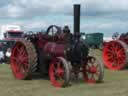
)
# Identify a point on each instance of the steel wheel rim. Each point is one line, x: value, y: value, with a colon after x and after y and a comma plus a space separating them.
x: 19, y: 61
x: 91, y: 71
x: 57, y: 73
x: 114, y: 55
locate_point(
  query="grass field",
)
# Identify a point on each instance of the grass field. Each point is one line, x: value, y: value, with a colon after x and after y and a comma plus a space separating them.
x: 115, y: 84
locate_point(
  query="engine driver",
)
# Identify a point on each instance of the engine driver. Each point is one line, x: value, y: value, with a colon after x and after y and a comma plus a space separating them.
x: 67, y: 34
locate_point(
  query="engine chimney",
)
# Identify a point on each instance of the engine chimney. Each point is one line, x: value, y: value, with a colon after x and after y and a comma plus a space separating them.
x: 76, y: 18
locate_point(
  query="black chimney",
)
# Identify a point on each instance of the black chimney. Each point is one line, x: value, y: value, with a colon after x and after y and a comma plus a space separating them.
x: 76, y: 18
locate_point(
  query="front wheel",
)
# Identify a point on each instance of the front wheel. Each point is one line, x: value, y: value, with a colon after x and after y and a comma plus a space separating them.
x: 93, y: 70
x: 59, y: 72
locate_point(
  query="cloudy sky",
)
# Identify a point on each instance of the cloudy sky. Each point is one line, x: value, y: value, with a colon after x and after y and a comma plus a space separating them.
x: 107, y: 16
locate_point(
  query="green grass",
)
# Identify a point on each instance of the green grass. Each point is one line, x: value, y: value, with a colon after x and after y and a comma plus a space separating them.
x: 115, y: 84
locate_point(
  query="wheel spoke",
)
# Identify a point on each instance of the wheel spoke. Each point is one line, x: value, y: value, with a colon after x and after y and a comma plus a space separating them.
x: 97, y: 65
x: 110, y: 50
x: 58, y: 65
x: 120, y: 51
x: 14, y: 58
x: 25, y: 59
x: 98, y: 72
x: 110, y: 59
x: 22, y: 51
x: 17, y: 49
x: 25, y: 67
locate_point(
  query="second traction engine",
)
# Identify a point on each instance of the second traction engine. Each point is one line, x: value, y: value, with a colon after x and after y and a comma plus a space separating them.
x: 115, y: 53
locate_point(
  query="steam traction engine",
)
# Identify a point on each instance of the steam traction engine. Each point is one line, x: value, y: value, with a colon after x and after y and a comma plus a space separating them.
x: 115, y: 53
x: 57, y: 53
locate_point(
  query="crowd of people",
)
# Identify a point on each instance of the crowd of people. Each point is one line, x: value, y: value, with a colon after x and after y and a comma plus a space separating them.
x: 4, y: 54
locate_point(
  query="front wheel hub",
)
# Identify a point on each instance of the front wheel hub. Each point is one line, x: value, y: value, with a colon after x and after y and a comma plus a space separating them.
x: 60, y: 72
x: 93, y: 70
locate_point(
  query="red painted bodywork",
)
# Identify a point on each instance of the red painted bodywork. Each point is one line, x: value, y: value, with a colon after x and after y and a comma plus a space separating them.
x: 51, y: 47
x: 48, y: 45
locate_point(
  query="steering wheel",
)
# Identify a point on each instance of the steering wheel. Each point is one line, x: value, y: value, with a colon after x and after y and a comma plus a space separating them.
x: 53, y: 30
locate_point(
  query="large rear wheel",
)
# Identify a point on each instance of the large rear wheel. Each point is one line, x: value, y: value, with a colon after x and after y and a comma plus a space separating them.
x: 115, y: 55
x: 23, y: 60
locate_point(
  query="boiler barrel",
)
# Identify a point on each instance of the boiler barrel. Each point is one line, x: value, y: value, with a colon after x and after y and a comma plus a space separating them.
x: 54, y: 49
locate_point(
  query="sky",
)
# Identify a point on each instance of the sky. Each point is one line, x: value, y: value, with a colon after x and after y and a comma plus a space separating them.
x: 106, y: 16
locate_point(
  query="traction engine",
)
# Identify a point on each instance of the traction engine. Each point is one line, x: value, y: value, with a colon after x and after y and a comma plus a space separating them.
x: 57, y: 53
x: 115, y: 53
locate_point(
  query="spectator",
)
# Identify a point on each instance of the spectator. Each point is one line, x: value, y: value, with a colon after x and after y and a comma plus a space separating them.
x: 67, y: 33
x: 7, y: 55
x: 115, y: 35
x: 1, y: 56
